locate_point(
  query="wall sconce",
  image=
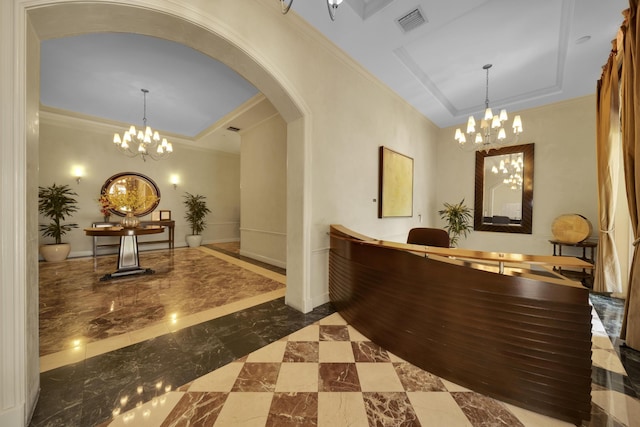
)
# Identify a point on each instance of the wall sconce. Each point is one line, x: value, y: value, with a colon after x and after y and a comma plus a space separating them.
x: 77, y: 172
x: 175, y: 180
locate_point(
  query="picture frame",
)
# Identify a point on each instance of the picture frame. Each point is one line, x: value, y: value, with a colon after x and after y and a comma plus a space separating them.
x: 165, y: 215
x: 155, y: 216
x: 395, y: 184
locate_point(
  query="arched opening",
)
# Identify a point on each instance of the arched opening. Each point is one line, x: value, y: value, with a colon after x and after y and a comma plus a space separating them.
x: 167, y: 20
x: 65, y: 19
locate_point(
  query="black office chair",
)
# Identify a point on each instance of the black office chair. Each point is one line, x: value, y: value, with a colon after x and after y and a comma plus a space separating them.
x: 429, y: 237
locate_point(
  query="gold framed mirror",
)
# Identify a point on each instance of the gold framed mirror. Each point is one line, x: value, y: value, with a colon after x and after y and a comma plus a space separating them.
x: 124, y: 182
x: 504, y: 190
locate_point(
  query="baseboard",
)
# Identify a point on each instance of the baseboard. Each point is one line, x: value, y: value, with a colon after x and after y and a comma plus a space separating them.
x: 212, y: 242
x: 34, y: 401
x: 306, y: 307
x: 318, y: 300
x: 13, y: 417
x: 264, y: 259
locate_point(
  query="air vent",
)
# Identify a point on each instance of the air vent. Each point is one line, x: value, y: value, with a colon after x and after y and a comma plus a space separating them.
x: 233, y: 129
x: 411, y: 20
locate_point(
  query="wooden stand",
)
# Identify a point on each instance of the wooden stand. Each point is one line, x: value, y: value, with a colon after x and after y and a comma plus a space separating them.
x: 583, y: 275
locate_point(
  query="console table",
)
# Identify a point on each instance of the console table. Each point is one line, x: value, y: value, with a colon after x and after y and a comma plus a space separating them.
x: 128, y: 259
x: 168, y: 224
x: 584, y: 276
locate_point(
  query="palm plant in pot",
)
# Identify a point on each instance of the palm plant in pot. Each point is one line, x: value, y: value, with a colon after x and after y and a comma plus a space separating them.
x: 458, y: 218
x: 197, y: 210
x: 56, y: 202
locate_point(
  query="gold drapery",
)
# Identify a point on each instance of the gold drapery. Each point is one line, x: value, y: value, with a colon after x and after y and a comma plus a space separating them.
x: 607, y: 276
x: 630, y: 96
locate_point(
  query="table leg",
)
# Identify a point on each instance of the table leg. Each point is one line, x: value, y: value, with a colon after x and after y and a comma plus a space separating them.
x: 128, y: 259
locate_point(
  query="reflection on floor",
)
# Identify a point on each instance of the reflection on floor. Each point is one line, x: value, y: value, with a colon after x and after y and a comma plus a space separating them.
x: 269, y: 365
x: 80, y: 316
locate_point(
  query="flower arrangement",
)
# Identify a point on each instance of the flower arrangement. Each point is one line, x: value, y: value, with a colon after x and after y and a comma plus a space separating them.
x: 131, y: 201
x: 105, y: 205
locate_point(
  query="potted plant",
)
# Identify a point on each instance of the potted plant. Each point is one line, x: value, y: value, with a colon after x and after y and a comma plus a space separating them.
x: 56, y: 202
x: 458, y: 218
x: 197, y: 210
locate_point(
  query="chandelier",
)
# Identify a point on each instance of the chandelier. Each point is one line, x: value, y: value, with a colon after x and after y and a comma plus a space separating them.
x: 332, y: 6
x: 491, y: 133
x: 144, y: 142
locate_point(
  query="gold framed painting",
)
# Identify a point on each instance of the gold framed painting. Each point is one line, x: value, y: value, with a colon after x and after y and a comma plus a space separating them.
x: 395, y: 185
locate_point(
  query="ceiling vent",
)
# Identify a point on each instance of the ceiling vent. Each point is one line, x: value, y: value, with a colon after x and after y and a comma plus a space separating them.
x: 233, y: 129
x: 411, y: 20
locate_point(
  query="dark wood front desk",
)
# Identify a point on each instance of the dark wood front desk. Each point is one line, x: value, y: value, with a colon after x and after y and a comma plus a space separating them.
x: 496, y: 323
x: 168, y: 225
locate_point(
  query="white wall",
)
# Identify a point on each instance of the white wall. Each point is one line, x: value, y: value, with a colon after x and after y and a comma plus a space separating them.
x: 67, y: 141
x: 263, y: 182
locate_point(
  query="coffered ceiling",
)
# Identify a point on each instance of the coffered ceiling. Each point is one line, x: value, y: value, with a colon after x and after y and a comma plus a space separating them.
x: 542, y: 51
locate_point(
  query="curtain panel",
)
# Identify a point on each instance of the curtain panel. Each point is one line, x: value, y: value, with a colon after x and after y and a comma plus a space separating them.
x: 630, y: 95
x: 607, y: 275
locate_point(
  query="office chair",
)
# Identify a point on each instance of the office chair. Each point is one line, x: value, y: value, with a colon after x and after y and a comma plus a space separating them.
x: 429, y: 237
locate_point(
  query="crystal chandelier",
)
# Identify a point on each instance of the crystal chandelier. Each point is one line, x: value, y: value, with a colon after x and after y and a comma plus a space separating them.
x: 491, y: 133
x: 146, y: 141
x: 332, y: 6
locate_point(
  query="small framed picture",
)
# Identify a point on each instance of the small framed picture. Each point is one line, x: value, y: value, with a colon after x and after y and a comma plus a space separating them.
x: 155, y: 216
x: 165, y: 215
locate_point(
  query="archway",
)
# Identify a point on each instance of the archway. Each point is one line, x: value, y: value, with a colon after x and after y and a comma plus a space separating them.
x: 25, y: 23
x: 209, y: 37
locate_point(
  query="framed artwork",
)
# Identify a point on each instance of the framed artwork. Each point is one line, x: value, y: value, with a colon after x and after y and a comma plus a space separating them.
x: 395, y: 184
x: 165, y: 215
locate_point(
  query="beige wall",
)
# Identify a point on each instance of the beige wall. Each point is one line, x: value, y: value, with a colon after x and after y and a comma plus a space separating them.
x: 263, y: 194
x: 564, y: 177
x: 67, y: 141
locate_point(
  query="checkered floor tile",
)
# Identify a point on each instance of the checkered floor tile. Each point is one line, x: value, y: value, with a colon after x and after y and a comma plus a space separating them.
x: 328, y: 374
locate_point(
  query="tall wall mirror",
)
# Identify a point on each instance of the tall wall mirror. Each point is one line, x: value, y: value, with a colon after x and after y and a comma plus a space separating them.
x: 128, y: 181
x: 504, y: 190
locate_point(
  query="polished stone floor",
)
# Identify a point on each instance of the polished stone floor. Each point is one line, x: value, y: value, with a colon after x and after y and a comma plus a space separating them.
x: 81, y: 316
x: 268, y: 365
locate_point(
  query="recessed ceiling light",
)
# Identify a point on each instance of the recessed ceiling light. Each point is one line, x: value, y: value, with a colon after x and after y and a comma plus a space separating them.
x: 583, y: 39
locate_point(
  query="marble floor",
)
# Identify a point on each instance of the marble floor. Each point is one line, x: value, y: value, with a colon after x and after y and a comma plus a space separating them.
x: 268, y: 365
x: 81, y: 316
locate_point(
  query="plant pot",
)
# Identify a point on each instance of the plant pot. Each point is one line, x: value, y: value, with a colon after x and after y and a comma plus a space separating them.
x: 55, y: 253
x: 194, y: 240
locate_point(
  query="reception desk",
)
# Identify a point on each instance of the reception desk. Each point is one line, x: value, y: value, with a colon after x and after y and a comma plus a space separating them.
x: 504, y: 325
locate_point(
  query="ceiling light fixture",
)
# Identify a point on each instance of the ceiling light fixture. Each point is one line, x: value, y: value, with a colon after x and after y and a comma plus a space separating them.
x: 492, y: 133
x: 332, y: 6
x: 147, y: 140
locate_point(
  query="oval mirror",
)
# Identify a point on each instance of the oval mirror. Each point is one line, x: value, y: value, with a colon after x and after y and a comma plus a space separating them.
x: 124, y: 182
x: 504, y: 190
